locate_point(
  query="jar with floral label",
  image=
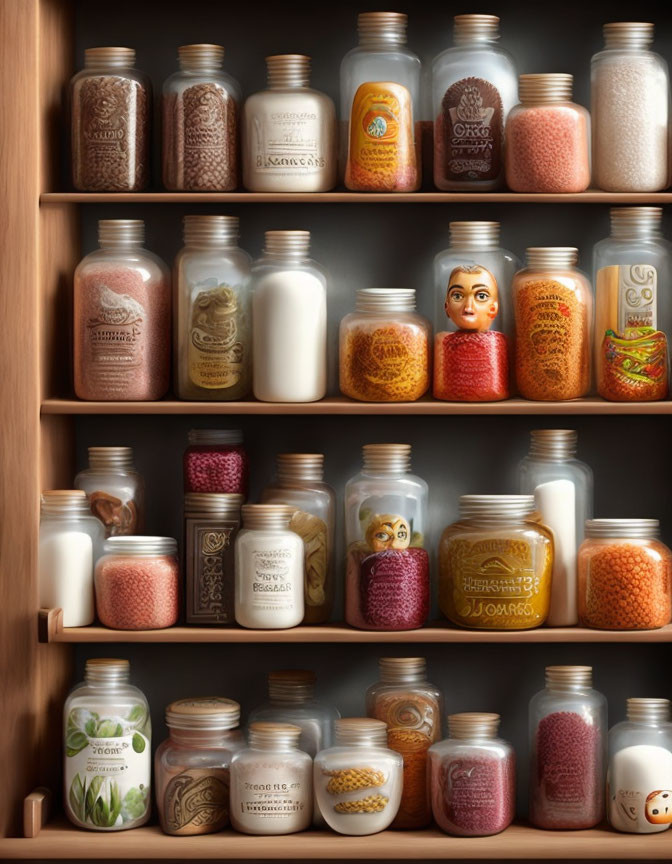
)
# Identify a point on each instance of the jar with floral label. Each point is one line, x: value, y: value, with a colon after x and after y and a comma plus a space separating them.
x: 216, y: 461
x: 108, y: 750
x: 115, y: 489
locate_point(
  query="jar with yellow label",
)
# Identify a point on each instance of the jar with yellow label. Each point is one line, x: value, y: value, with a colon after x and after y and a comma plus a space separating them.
x: 495, y: 564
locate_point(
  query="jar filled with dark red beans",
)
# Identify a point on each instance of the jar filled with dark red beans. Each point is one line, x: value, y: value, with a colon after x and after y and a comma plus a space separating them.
x: 216, y: 461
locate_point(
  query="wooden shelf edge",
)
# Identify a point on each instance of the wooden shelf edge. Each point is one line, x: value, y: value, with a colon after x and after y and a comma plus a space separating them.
x: 36, y: 807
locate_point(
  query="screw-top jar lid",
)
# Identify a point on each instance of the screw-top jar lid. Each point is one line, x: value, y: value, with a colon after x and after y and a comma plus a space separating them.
x: 131, y: 545
x: 287, y: 244
x: 109, y: 56
x: 629, y: 222
x: 552, y: 256
x: 553, y: 445
x: 640, y: 710
x: 201, y: 56
x: 473, y: 724
x: 568, y: 677
x: 360, y: 731
x: 213, y: 504
x: 268, y: 736
x: 66, y: 502
x: 210, y: 231
x: 474, y: 235
x: 288, y: 70
x: 261, y: 516
x: 628, y: 34
x: 121, y: 232
x: 496, y: 506
x: 382, y: 27
x: 400, y: 670
x: 106, y: 670
x: 293, y: 467
x: 385, y: 300
x: 291, y: 685
x: 215, y: 436
x: 625, y: 529
x: 547, y: 87
x: 475, y: 28
x: 387, y: 458
x: 209, y: 713
x: 109, y: 458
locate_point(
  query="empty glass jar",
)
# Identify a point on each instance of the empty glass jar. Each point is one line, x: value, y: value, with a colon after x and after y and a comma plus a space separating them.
x: 115, y: 489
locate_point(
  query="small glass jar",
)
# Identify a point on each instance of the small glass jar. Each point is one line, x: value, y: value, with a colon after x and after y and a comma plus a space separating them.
x: 106, y: 715
x: 272, y: 782
x: 191, y: 767
x: 111, y: 109
x: 358, y: 782
x: 552, y: 302
x: 380, y: 108
x: 387, y: 570
x: 213, y: 328
x: 639, y: 775
x: 495, y: 564
x: 472, y: 777
x: 568, y: 742
x: 624, y: 575
x: 200, y: 123
x: 115, y: 490
x: 137, y: 583
x: 122, y: 310
x: 216, y: 461
x: 300, y: 484
x: 289, y: 132
x: 411, y: 708
x: 384, y: 347
x: 547, y: 137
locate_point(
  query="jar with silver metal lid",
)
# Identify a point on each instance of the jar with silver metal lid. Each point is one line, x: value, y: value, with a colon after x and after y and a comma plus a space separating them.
x: 115, y: 488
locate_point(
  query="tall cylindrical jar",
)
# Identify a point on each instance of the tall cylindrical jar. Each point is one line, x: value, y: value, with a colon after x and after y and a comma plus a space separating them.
x: 216, y: 461
x: 115, y: 489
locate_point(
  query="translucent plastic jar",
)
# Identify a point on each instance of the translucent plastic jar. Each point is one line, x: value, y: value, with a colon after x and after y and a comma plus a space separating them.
x: 115, y: 489
x: 384, y: 347
x: 495, y: 564
x: 387, y: 576
x: 216, y: 461
x: 624, y: 575
x: 568, y: 742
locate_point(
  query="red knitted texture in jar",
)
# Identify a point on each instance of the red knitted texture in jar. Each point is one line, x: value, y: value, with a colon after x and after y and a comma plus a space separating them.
x: 475, y: 795
x: 394, y: 589
x: 471, y: 367
x: 137, y: 593
x: 216, y: 469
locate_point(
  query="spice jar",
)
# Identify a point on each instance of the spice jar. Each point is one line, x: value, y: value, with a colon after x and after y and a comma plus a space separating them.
x: 211, y: 524
x: 380, y: 108
x: 191, y: 767
x: 472, y: 777
x: 300, y: 484
x: 387, y: 570
x: 358, y: 781
x: 111, y: 108
x: 200, y: 123
x: 121, y: 318
x: 639, y: 777
x: 384, y: 347
x: 289, y: 132
x: 272, y: 782
x: 495, y: 564
x: 411, y: 708
x: 568, y: 737
x: 624, y: 575
x: 106, y: 715
x: 115, y: 490
x: 216, y: 461
x: 552, y: 304
x: 137, y: 583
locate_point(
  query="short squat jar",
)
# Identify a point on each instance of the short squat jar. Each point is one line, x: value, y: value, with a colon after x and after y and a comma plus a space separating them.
x: 115, y: 489
x: 216, y: 461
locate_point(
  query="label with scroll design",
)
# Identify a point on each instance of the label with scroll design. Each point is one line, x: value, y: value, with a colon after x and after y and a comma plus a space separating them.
x: 472, y: 118
x: 210, y: 570
x: 197, y: 802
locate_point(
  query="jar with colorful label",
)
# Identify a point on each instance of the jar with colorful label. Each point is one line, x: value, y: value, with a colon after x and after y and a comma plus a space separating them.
x: 115, y: 489
x: 216, y: 461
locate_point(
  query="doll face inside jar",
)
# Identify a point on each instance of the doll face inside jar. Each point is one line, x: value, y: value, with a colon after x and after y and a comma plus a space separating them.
x: 388, y: 532
x: 472, y: 299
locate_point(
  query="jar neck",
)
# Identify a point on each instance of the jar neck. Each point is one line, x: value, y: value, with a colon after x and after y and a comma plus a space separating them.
x: 65, y: 504
x: 386, y: 460
x: 569, y: 678
x: 636, y: 223
x: 473, y: 726
x: 202, y: 58
x: 287, y: 247
x: 474, y: 235
x: 211, y: 232
x: 299, y: 468
x: 650, y: 712
x: 553, y: 445
x: 266, y: 517
x: 106, y: 674
x: 288, y: 71
x: 121, y: 234
x: 628, y: 35
x: 201, y: 737
x: 475, y: 30
x: 373, y: 740
x: 112, y: 58
x: 382, y: 30
x: 623, y: 529
x: 499, y: 510
x: 552, y: 257
x: 545, y: 89
x: 377, y: 300
x: 403, y: 670
x: 111, y: 458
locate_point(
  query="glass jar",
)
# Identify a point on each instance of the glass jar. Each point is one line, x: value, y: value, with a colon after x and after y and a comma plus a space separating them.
x: 387, y: 570
x: 411, y: 708
x: 547, y: 137
x: 71, y: 540
x: 213, y: 330
x: 384, y: 347
x: 474, y: 86
x: 211, y: 523
x: 495, y: 564
x: 137, y: 583
x: 300, y: 484
x: 472, y: 777
x: 629, y: 108
x: 216, y: 461
x: 358, y: 781
x: 272, y: 782
x: 115, y: 490
x: 568, y: 740
x: 200, y: 123
x: 289, y: 132
x: 122, y: 305
x: 639, y: 776
x: 624, y: 575
x: 553, y: 304
x: 632, y: 314
x: 111, y: 109
x: 191, y: 767
x: 380, y: 108
x: 562, y: 487
x: 105, y: 714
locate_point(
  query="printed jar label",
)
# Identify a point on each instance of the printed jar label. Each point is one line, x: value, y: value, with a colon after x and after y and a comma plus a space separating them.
x: 473, y: 127
x: 288, y: 144
x: 273, y: 586
x: 469, y: 785
x: 637, y: 296
x: 215, y: 353
x: 639, y: 786
x: 116, y: 334
x: 197, y: 802
x: 387, y: 356
x: 210, y: 571
x: 272, y: 800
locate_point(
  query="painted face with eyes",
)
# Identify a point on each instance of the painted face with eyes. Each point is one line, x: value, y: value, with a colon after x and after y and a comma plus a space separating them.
x: 472, y: 300
x: 388, y: 532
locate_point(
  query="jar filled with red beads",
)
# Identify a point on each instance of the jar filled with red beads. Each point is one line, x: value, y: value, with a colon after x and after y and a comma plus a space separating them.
x: 216, y: 461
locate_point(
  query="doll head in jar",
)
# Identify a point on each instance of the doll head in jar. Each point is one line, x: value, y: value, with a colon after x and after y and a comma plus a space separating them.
x: 388, y: 532
x: 472, y: 301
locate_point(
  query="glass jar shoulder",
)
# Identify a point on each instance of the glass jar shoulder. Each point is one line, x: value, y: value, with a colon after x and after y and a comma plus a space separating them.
x: 364, y: 485
x: 413, y: 321
x: 624, y: 57
x: 450, y: 64
x: 340, y: 757
x: 366, y: 65
x: 128, y: 74
x: 536, y: 471
x: 249, y: 539
x: 423, y: 689
x: 628, y: 734
x: 180, y: 81
x: 522, y: 531
x: 611, y: 251
x: 265, y: 268
x: 588, y: 703
x: 193, y: 265
x: 316, y: 498
x: 148, y: 264
x: 454, y: 748
x: 253, y: 756
x: 277, y: 99
x: 172, y: 755
x: 500, y: 262
x: 120, y: 703
x: 655, y: 550
x: 575, y: 280
x: 310, y: 711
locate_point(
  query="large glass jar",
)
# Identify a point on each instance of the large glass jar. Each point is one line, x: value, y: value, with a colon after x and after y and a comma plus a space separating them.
x: 474, y: 86
x: 495, y: 564
x: 568, y: 741
x: 552, y: 303
x: 411, y: 708
x: 300, y: 484
x: 115, y: 489
x: 624, y: 575
x: 213, y: 330
x: 387, y: 570
x: 384, y: 347
x: 200, y: 123
x: 122, y: 306
x: 358, y: 782
x: 633, y: 311
x: 111, y: 109
x: 105, y: 714
x: 289, y: 305
x: 630, y: 110
x: 216, y: 461
x: 380, y: 108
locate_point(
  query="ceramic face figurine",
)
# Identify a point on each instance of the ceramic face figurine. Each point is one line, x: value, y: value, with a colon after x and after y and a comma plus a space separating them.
x: 388, y: 532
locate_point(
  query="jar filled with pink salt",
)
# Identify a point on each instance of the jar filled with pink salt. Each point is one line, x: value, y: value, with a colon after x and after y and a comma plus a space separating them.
x: 216, y: 461
x: 137, y: 583
x: 547, y: 137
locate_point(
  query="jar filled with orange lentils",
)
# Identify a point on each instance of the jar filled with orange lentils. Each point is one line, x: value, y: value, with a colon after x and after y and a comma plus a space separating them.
x: 624, y: 575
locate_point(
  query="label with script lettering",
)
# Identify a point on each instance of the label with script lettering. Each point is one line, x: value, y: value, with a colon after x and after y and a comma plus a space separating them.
x: 472, y: 120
